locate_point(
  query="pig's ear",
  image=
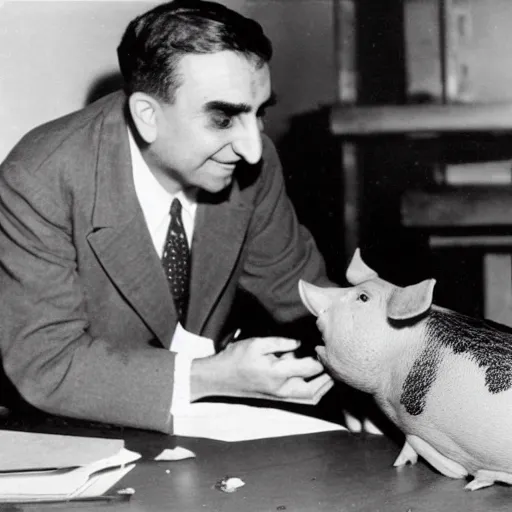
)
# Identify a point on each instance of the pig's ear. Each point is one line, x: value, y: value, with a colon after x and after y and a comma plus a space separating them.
x: 358, y: 271
x: 316, y: 299
x: 411, y: 301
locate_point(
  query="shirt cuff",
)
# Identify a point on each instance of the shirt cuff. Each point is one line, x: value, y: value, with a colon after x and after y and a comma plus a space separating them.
x: 181, y: 388
x: 187, y: 346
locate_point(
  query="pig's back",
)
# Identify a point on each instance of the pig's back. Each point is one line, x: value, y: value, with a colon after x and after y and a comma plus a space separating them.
x: 457, y: 396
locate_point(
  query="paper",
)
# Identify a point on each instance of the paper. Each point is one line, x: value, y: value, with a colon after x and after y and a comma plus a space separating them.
x: 46, y: 466
x: 100, y: 484
x: 237, y: 422
x: 28, y: 450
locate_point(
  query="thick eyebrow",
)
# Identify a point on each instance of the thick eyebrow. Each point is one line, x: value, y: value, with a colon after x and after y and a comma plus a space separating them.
x: 234, y: 109
x: 272, y: 100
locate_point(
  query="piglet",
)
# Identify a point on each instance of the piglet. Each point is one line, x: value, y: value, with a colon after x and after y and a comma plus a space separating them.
x: 443, y: 378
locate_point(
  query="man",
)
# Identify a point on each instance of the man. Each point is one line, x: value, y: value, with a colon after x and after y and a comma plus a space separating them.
x: 88, y: 325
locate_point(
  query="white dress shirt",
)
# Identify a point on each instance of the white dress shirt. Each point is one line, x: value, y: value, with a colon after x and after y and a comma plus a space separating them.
x: 155, y: 202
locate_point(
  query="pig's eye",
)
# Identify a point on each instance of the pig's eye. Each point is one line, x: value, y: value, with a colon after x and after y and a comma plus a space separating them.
x: 363, y: 297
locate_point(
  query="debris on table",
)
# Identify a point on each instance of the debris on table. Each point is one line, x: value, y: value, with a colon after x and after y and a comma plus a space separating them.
x: 126, y: 491
x: 229, y: 484
x: 178, y: 453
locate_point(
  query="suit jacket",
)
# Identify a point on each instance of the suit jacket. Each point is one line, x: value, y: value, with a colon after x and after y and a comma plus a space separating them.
x: 87, y: 317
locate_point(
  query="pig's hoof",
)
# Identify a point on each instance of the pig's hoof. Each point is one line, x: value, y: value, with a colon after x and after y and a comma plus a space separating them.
x: 407, y: 455
x: 478, y: 483
x: 485, y: 478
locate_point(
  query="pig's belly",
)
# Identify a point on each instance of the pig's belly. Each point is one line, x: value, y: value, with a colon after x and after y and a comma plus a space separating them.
x: 462, y: 419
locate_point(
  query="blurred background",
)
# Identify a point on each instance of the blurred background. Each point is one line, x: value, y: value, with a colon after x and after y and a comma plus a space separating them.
x: 349, y: 172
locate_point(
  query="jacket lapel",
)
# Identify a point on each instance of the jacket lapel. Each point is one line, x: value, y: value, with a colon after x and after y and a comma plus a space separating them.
x: 218, y: 237
x: 120, y: 238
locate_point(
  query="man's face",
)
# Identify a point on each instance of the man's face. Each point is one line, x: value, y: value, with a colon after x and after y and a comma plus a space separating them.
x: 214, y: 122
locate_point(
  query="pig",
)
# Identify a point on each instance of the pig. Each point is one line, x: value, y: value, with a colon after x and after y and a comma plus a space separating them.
x: 443, y: 378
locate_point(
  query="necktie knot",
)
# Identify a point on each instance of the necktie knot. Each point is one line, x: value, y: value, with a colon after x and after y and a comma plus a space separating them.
x: 175, y: 208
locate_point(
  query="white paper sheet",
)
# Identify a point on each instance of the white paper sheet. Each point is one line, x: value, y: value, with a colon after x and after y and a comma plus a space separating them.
x: 237, y: 422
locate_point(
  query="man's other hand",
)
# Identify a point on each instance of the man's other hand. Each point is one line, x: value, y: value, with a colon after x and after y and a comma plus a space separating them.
x: 260, y: 368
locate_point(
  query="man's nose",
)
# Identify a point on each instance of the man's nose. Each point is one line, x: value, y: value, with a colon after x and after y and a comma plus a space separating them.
x: 247, y: 144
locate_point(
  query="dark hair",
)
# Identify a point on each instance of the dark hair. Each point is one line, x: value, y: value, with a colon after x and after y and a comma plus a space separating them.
x: 154, y: 42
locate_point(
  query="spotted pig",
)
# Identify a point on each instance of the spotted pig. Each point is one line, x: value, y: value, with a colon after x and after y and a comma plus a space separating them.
x: 443, y: 378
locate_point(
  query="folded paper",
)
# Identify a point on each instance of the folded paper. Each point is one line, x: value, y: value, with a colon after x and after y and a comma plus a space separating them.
x: 36, y: 466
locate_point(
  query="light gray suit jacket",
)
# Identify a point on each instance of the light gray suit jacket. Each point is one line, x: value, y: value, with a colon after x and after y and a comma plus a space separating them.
x: 86, y: 316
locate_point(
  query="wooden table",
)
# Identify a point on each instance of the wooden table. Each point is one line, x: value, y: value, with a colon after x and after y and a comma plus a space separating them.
x: 332, y: 471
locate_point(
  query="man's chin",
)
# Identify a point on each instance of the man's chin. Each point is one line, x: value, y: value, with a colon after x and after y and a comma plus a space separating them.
x: 219, y: 185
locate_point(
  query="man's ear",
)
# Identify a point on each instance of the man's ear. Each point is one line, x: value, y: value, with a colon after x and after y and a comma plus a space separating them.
x: 143, y: 109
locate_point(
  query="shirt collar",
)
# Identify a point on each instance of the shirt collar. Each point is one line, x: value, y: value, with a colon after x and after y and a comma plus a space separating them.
x: 154, y: 200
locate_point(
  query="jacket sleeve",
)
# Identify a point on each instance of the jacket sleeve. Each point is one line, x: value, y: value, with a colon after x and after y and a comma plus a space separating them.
x: 47, y: 350
x: 280, y: 251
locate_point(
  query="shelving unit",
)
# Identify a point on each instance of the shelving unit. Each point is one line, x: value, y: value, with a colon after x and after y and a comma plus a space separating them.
x: 350, y: 123
x: 353, y: 123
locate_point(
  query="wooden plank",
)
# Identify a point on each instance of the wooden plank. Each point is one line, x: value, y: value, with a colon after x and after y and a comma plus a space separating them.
x: 469, y: 241
x: 380, y: 120
x: 461, y: 207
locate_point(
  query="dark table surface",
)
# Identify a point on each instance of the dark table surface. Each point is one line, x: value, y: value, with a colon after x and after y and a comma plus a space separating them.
x: 332, y: 471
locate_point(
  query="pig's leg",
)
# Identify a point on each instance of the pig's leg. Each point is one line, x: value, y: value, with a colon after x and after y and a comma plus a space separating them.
x: 443, y: 464
x: 485, y: 478
x: 370, y: 427
x: 356, y: 426
x: 407, y: 455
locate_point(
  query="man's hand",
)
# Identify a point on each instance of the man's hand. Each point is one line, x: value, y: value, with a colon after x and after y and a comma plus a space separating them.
x: 260, y: 368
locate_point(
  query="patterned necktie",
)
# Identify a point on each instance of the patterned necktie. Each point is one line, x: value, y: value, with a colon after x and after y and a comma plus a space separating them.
x: 176, y: 261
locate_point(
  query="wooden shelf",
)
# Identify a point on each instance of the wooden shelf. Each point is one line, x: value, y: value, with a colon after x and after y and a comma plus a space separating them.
x: 470, y: 206
x: 382, y: 120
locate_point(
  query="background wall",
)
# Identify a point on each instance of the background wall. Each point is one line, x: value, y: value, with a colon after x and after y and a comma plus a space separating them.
x: 491, y: 49
x: 479, y: 49
x: 52, y: 53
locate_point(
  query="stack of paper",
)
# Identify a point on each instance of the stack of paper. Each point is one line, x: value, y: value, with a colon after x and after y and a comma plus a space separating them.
x: 37, y: 466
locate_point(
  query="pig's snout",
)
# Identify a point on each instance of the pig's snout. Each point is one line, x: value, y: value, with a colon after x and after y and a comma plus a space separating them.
x: 313, y: 297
